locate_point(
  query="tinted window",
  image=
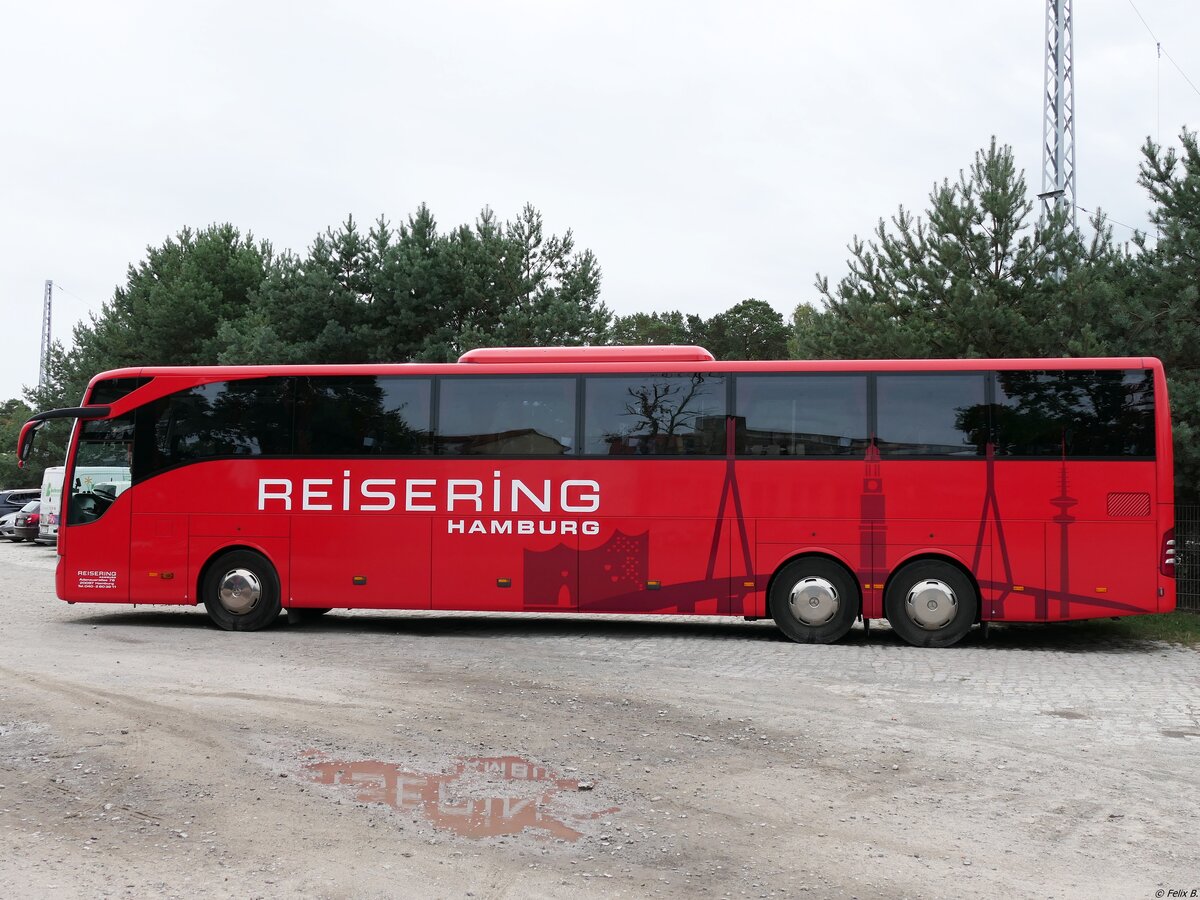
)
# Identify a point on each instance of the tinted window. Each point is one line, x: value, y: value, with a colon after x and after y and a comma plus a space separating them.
x: 105, y: 442
x: 802, y: 415
x: 931, y: 415
x: 1075, y: 413
x: 363, y: 415
x: 109, y: 391
x: 252, y: 417
x: 655, y: 415
x: 506, y: 416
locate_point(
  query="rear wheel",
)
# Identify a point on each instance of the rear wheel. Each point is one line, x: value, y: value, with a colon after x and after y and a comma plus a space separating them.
x: 814, y: 600
x: 241, y: 591
x: 930, y: 603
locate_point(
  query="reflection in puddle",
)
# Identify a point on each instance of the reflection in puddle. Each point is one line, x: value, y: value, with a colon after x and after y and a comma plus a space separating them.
x: 484, y: 796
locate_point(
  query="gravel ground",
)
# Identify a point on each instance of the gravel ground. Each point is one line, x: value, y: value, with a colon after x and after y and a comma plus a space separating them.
x: 145, y: 753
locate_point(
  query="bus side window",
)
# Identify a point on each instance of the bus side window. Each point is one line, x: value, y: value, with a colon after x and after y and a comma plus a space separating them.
x: 931, y: 414
x: 802, y: 414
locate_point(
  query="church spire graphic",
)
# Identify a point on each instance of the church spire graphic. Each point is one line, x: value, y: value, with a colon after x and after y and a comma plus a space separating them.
x: 872, y: 524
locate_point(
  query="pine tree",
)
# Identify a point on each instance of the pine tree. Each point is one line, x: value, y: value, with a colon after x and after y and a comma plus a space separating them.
x: 975, y: 277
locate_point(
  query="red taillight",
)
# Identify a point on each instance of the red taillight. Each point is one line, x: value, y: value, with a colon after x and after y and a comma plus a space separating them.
x: 35, y: 518
x: 1167, y: 566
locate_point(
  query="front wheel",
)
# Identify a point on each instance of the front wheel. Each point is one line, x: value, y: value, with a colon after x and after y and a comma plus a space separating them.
x: 241, y: 591
x: 930, y: 603
x: 814, y: 600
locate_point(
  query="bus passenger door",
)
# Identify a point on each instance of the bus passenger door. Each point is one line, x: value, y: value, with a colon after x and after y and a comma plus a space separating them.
x: 95, y: 552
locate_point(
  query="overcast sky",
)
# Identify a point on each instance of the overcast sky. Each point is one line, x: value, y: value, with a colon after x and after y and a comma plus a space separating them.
x: 707, y: 152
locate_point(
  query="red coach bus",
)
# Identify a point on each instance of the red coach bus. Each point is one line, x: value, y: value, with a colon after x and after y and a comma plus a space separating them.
x: 936, y: 493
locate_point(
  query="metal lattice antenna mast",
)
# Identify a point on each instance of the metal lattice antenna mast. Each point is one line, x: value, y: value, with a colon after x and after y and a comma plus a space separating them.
x: 44, y: 363
x: 1058, y: 123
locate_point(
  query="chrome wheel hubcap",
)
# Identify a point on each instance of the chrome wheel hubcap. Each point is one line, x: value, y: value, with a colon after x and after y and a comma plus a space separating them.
x: 814, y: 600
x: 931, y: 604
x: 240, y: 591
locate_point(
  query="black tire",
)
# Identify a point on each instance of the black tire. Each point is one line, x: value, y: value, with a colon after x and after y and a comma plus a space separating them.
x: 814, y: 600
x: 250, y: 600
x: 930, y: 603
x: 15, y: 540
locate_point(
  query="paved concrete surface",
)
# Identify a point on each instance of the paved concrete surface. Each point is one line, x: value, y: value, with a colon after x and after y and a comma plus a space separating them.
x: 143, y: 752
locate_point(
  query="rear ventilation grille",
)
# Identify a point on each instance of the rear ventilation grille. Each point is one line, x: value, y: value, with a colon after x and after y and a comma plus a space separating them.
x: 1125, y: 506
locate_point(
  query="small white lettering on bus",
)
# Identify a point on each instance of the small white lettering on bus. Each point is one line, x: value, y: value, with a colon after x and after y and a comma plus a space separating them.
x: 521, y: 526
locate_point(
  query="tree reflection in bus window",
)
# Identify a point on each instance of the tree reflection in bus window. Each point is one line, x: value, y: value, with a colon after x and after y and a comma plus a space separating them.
x: 363, y: 415
x: 1075, y: 413
x: 250, y: 417
x: 655, y: 415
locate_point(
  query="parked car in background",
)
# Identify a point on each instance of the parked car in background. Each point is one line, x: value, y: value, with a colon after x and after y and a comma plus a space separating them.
x: 8, y: 529
x: 26, y: 523
x: 12, y: 500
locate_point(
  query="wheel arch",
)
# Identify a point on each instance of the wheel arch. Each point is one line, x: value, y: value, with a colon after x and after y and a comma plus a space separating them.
x: 217, y: 553
x: 941, y: 557
x: 818, y: 554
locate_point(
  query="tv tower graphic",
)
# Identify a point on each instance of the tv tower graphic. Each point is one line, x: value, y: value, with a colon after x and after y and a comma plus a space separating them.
x: 872, y: 526
x: 1062, y: 502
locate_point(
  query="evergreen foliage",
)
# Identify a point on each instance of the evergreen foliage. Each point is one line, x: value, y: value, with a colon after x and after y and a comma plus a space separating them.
x: 979, y: 276
x: 13, y: 414
x: 751, y: 329
x: 657, y: 328
x: 1161, y: 314
x: 387, y: 295
x: 979, y: 273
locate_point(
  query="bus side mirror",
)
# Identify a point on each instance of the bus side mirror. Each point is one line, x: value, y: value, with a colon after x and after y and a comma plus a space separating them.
x: 25, y: 442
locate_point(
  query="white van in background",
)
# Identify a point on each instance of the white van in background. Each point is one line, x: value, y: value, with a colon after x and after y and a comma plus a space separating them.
x: 112, y: 480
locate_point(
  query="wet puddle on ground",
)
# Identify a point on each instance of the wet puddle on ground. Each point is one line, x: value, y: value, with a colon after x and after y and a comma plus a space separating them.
x: 481, y: 797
